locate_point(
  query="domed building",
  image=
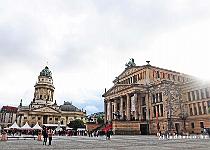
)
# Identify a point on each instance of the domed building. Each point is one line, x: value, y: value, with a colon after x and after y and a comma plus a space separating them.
x: 44, y: 109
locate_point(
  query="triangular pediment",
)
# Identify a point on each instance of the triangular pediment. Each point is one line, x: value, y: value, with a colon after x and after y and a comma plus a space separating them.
x: 46, y: 109
x: 116, y: 88
x: 129, y: 71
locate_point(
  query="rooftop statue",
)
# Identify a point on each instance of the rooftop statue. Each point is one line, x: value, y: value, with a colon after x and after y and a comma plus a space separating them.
x: 131, y: 63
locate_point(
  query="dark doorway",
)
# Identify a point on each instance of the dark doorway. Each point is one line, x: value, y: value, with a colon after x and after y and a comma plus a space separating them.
x: 45, y: 119
x: 144, y: 128
x: 177, y: 126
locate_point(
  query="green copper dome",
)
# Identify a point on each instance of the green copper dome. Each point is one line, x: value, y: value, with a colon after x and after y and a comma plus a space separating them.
x: 46, y: 72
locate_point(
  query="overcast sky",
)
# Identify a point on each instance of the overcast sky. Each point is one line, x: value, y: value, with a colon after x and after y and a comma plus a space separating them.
x: 87, y: 43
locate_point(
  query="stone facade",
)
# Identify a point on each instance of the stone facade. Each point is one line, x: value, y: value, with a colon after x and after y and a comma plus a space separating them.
x: 8, y: 115
x: 157, y: 100
x: 44, y: 109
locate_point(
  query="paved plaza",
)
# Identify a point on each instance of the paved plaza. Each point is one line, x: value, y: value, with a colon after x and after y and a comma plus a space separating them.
x: 100, y: 143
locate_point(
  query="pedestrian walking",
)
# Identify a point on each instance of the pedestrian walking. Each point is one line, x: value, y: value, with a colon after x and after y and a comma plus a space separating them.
x: 45, y: 135
x: 50, y: 134
x: 39, y: 137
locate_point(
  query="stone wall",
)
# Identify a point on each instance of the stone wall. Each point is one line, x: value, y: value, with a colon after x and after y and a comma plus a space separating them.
x: 126, y: 127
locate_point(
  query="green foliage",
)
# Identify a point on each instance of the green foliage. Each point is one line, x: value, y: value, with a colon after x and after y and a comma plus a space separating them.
x: 75, y: 124
x: 100, y: 120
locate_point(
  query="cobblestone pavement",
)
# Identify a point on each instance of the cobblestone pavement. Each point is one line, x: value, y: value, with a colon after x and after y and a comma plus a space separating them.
x: 100, y: 143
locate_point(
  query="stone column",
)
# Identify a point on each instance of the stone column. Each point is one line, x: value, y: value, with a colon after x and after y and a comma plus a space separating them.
x: 121, y: 107
x: 201, y: 105
x: 147, y: 106
x: 193, y: 111
x: 128, y: 107
x: 140, y: 106
x: 160, y: 114
x: 188, y: 109
x: 115, y: 108
x: 105, y: 111
x: 157, y: 111
x: 110, y: 111
x: 136, y: 106
x: 197, y: 108
x: 207, y: 112
x: 191, y: 96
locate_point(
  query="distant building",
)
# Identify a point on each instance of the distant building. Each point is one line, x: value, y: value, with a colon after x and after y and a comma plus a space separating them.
x: 148, y: 99
x: 44, y: 109
x: 8, y: 115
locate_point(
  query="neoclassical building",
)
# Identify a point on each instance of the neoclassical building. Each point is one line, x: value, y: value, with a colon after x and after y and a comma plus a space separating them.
x: 8, y: 115
x: 148, y: 99
x: 43, y: 108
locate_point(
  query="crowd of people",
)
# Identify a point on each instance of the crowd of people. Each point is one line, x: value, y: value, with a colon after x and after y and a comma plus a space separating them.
x: 46, y: 135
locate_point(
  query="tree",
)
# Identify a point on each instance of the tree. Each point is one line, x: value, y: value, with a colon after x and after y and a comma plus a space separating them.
x: 100, y: 120
x: 75, y: 124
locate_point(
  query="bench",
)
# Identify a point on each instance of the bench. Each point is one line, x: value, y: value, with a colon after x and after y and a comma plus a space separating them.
x: 22, y: 137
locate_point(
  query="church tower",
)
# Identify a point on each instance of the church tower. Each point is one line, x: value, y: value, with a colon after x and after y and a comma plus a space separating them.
x: 44, y: 88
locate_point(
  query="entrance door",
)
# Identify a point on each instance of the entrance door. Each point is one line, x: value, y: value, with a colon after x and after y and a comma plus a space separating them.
x: 177, y: 126
x: 144, y: 128
x: 45, y: 119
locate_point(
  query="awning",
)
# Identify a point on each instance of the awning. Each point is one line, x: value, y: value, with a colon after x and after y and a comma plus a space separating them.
x: 26, y: 127
x: 81, y: 129
x: 53, y: 125
x: 14, y: 126
x: 37, y: 127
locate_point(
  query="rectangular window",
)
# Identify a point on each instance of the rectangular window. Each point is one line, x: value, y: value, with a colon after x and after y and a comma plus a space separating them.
x: 39, y: 118
x: 207, y: 92
x: 209, y: 107
x: 156, y: 98
x: 158, y: 74
x: 204, y: 109
x: 197, y: 95
x: 154, y: 111
x: 161, y: 109
x: 189, y: 97
x: 143, y: 101
x: 202, y: 93
x: 191, y: 111
x: 160, y: 97
x: 174, y: 77
x: 50, y: 119
x: 200, y: 112
x: 118, y: 106
x: 192, y: 125
x: 195, y: 110
x: 193, y: 95
x: 153, y: 98
x: 158, y: 111
x: 25, y: 117
x: 201, y: 124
